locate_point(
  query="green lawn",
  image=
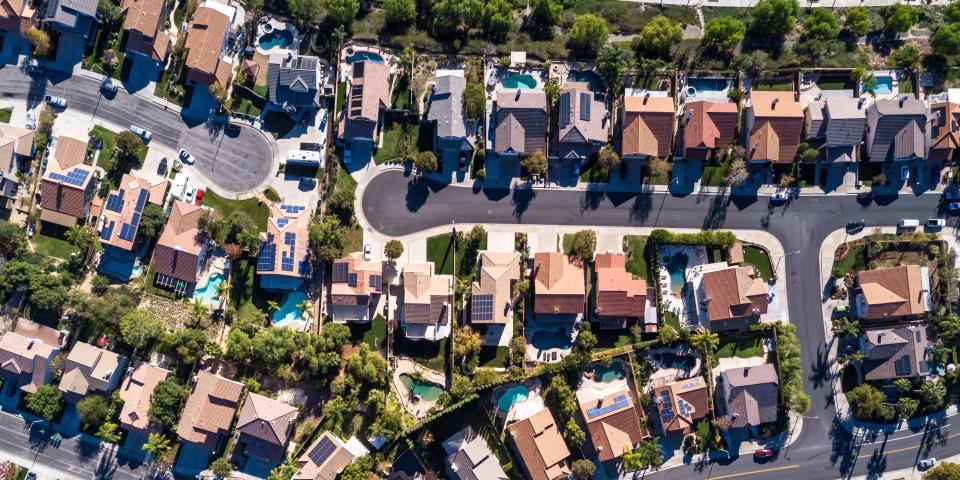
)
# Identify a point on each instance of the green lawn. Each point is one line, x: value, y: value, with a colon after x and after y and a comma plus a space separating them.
x: 671, y: 319
x: 373, y: 334
x: 851, y: 263
x: 438, y: 252
x: 835, y: 82
x: 245, y: 292
x: 180, y: 13
x: 494, y: 357
x: 5, y: 114
x: 741, y: 347
x: 774, y: 85
x: 906, y: 84
x: 607, y: 339
x: 244, y: 101
x: 278, y: 123
x: 634, y: 246
x: 149, y: 285
x: 400, y: 98
x: 756, y: 256
x: 93, y: 60
x: 52, y: 247
x: 251, y: 207
x: 271, y: 195
x: 165, y: 89
x: 714, y: 175
x: 594, y: 172
x: 398, y: 137
x: 108, y: 160
x: 432, y: 355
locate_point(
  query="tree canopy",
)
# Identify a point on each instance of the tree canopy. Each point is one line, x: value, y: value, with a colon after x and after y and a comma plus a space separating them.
x: 166, y: 402
x: 724, y: 33
x: 327, y: 238
x: 774, y: 17
x: 588, y: 34
x: 45, y: 402
x: 857, y: 21
x: 400, y: 12
x: 822, y: 24
x: 657, y: 38
x: 900, y: 17
x: 946, y: 40
x: 498, y: 19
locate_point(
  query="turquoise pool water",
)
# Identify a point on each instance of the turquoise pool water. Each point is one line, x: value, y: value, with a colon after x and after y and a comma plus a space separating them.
x: 523, y: 82
x: 708, y: 84
x: 428, y: 391
x: 511, y: 396
x: 288, y: 310
x: 547, y: 339
x: 596, y: 83
x: 208, y: 292
x: 365, y: 55
x: 884, y: 85
x: 675, y: 267
x: 608, y: 373
x: 282, y: 38
x: 671, y: 360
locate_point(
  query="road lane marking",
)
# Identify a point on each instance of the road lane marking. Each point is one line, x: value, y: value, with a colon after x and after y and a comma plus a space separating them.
x: 887, y: 452
x: 774, y: 469
x: 905, y: 436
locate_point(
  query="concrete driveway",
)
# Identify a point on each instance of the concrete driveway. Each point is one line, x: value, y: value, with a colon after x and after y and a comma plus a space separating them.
x: 144, y: 73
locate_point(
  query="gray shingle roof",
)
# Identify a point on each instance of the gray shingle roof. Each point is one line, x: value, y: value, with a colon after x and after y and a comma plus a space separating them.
x: 752, y: 394
x: 293, y: 80
x: 521, y: 122
x: 846, y: 120
x: 899, y: 126
x: 894, y: 352
x: 446, y: 106
x: 68, y: 12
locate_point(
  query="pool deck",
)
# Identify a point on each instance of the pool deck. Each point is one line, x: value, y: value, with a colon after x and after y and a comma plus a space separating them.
x: 696, y: 255
x: 711, y: 95
x: 278, y: 23
x: 591, y: 388
x: 538, y: 355
x: 346, y: 69
x: 217, y: 264
x: 421, y: 408
x: 663, y: 375
x: 521, y: 409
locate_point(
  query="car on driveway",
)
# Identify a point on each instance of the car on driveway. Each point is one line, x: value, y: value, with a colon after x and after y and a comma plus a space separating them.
x: 855, y: 226
x: 927, y: 463
x: 905, y: 173
x: 367, y: 250
x: 200, y: 192
x: 779, y: 197
x: 143, y: 132
x: 763, y: 454
x: 186, y: 157
x: 953, y: 206
x: 55, y: 101
x: 935, y: 223
x: 108, y: 85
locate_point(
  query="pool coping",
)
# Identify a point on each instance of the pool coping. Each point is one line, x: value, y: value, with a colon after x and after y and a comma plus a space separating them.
x: 405, y: 366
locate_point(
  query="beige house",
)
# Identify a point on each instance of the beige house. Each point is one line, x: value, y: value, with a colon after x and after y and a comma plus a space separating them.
x: 893, y: 293
x: 89, y: 370
x: 427, y: 305
x: 491, y: 302
x: 612, y: 421
x: 26, y: 353
x: 728, y: 298
x: 16, y: 150
x: 540, y: 447
x: 355, y: 288
x: 208, y: 414
x: 558, y: 286
x: 324, y: 460
x: 750, y: 394
x: 136, y: 393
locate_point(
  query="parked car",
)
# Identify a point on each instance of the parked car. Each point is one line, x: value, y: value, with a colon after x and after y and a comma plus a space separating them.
x: 31, y: 120
x: 953, y: 206
x: 200, y: 196
x: 185, y: 157
x: 162, y: 169
x: 143, y: 132
x: 855, y: 226
x: 108, y: 85
x: 927, y: 463
x: 231, y: 128
x: 764, y: 454
x: 779, y: 197
x: 905, y: 172
x: 935, y: 223
x: 908, y: 223
x: 367, y: 250
x: 54, y: 101
x: 951, y: 194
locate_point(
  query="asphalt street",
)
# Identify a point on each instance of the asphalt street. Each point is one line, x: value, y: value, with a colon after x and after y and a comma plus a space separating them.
x: 396, y: 204
x: 232, y: 163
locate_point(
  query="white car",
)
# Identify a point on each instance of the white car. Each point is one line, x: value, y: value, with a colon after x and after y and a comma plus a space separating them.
x: 905, y: 172
x: 927, y: 463
x: 936, y: 223
x: 953, y: 206
x: 779, y: 197
x: 56, y: 101
x: 367, y: 250
x: 186, y: 157
x: 143, y: 132
x: 951, y: 194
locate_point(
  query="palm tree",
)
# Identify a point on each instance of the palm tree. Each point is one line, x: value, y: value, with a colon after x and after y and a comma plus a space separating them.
x: 339, y: 34
x: 705, y: 341
x: 272, y: 306
x: 79, y: 236
x: 223, y: 289
x: 198, y: 311
x: 306, y: 308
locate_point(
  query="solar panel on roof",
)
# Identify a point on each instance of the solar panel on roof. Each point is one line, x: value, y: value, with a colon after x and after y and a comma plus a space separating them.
x: 290, y: 238
x: 902, y: 365
x: 666, y: 405
x: 286, y: 264
x: 115, y: 202
x: 340, y: 270
x: 127, y: 232
x: 266, y: 260
x: 564, y: 110
x: 584, y: 106
x: 107, y: 231
x: 482, y: 307
x: 142, y: 200
x: 323, y: 449
x: 135, y: 220
x: 282, y: 222
x: 304, y: 268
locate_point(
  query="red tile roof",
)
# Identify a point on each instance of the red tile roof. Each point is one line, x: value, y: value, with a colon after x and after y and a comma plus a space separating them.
x: 708, y: 125
x: 619, y: 293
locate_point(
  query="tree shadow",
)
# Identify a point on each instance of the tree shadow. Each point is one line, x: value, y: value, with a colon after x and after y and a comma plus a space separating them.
x: 717, y: 212
x: 521, y: 200
x: 417, y: 194
x: 843, y: 454
x: 820, y: 369
x: 591, y: 200
x: 642, y: 205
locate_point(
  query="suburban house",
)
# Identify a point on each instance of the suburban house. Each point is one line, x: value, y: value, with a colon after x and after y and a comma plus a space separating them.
x: 181, y: 250
x: 540, y: 447
x: 355, y: 289
x: 899, y: 292
x: 208, y: 61
x: 209, y: 411
x: 708, y: 128
x: 840, y: 123
x: 327, y: 457
x: 143, y: 24
x: 294, y: 81
x: 427, y: 304
x: 620, y: 297
x: 750, y: 394
x: 897, y: 130
x: 612, y: 421
x: 469, y: 457
x: 728, y: 298
x: 368, y: 96
x: 774, y: 121
x: 284, y: 260
x: 16, y: 151
x: 520, y: 122
x: 74, y: 17
x: 558, y: 287
x: 492, y: 292
x: 88, y: 369
x: 449, y: 118
x: 647, y: 125
x: 265, y: 426
x: 944, y: 131
x: 583, y: 121
x: 136, y: 392
x: 895, y: 352
x: 680, y: 403
x: 16, y: 15
x: 26, y: 354
x: 121, y: 214
x: 68, y: 186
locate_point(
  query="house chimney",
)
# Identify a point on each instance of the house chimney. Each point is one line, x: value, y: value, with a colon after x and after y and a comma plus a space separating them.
x: 646, y: 96
x: 861, y: 102
x: 773, y: 105
x: 902, y: 100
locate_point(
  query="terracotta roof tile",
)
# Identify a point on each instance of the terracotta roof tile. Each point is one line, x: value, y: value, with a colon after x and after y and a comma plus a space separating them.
x: 892, y: 292
x: 734, y: 293
x: 136, y: 392
x: 558, y: 284
x: 648, y: 123
x: 778, y: 121
x: 540, y: 447
x: 209, y: 410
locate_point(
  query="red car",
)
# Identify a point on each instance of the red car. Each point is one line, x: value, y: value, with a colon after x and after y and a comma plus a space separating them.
x: 763, y: 454
x: 199, y: 196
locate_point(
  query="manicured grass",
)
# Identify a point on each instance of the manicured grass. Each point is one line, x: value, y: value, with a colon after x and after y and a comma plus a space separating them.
x: 714, y: 175
x: 245, y: 292
x: 5, y: 114
x: 594, y: 172
x: 774, y: 85
x: 494, y: 357
x: 906, y: 84
x: 373, y: 334
x: 251, y: 207
x: 341, y: 97
x: 52, y: 247
x: 244, y: 101
x: 278, y: 124
x: 400, y: 135
x: 353, y: 239
x: 271, y: 195
x: 438, y: 252
x: 106, y: 160
x: 743, y: 347
x: 400, y: 99
x: 607, y: 339
x: 835, y: 82
x: 164, y: 88
x: 756, y: 256
x: 93, y: 61
x: 634, y: 246
x: 432, y: 355
x: 853, y: 262
x: 671, y: 319
x: 150, y: 286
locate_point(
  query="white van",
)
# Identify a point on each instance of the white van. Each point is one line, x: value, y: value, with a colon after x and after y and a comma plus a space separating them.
x: 908, y: 223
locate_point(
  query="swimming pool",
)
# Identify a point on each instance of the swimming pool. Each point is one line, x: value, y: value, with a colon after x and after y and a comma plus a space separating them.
x: 280, y: 37
x: 672, y: 360
x: 608, y: 373
x: 511, y: 396
x: 596, y: 83
x: 289, y: 311
x: 547, y: 339
x: 676, y: 266
x: 208, y: 292
x: 427, y: 391
x: 365, y: 55
x: 708, y: 84
x: 523, y: 82
x: 884, y: 85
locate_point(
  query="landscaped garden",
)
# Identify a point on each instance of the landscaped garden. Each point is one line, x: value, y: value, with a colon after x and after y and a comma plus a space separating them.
x: 52, y: 246
x: 634, y: 246
x: 745, y: 346
x: 439, y: 250
x: 760, y: 260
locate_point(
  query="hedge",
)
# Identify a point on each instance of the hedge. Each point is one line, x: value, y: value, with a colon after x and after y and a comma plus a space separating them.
x: 709, y: 239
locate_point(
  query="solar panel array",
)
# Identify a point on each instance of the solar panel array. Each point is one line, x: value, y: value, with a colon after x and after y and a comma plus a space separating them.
x: 584, y: 106
x: 282, y: 222
x: 340, y: 270
x: 107, y: 230
x: 685, y: 408
x: 266, y: 260
x: 292, y: 208
x: 115, y: 202
x: 666, y: 405
x: 142, y: 200
x: 75, y: 177
x: 564, y: 110
x: 482, y: 307
x: 304, y: 268
x: 902, y: 365
x: 290, y: 238
x: 322, y: 451
x: 127, y: 232
x: 619, y: 402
